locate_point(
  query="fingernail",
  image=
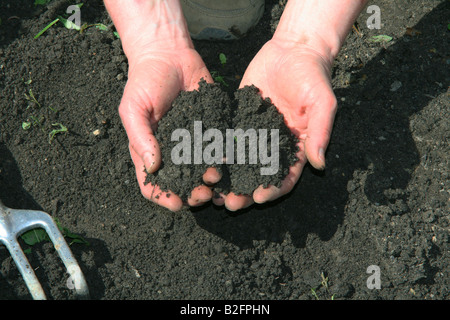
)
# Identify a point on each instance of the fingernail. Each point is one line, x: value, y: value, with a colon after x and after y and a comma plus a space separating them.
x: 149, y: 163
x: 322, y: 157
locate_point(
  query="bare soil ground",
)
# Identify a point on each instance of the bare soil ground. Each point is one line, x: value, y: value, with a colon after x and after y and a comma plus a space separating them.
x: 382, y: 201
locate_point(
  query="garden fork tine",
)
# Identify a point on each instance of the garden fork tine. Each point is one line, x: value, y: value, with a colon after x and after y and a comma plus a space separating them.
x: 13, y: 223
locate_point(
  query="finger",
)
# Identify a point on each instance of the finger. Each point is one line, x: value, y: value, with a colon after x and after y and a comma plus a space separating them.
x: 136, y: 121
x: 235, y: 202
x: 167, y: 200
x: 320, y: 125
x: 262, y: 195
x: 154, y: 193
x: 211, y: 176
x: 218, y: 199
x: 199, y: 196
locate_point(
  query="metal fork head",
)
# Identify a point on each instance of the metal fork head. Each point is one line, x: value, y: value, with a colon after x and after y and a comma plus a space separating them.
x: 13, y: 223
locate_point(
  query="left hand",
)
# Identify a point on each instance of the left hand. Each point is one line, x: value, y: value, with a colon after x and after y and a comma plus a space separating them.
x: 297, y: 80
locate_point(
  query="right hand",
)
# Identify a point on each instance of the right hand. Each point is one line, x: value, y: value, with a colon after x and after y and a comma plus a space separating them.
x: 155, y: 78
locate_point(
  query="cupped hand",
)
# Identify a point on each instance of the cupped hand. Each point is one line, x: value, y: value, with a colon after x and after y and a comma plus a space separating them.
x: 297, y: 80
x: 155, y: 78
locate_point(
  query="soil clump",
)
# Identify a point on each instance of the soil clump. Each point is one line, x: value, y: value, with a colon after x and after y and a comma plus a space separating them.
x: 263, y: 147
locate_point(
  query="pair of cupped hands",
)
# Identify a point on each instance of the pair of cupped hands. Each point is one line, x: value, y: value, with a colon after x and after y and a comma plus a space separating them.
x: 295, y: 77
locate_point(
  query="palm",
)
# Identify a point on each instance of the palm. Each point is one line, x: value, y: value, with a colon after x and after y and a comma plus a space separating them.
x: 297, y: 81
x: 155, y: 79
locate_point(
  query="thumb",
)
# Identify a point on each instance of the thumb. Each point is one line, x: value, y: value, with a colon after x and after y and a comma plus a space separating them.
x: 136, y: 121
x: 320, y: 126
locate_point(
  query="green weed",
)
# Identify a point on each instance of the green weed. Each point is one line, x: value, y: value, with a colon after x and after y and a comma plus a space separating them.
x: 30, y: 97
x: 380, y: 38
x: 323, y: 285
x: 26, y: 125
x: 38, y: 235
x: 216, y: 75
x: 68, y: 24
x: 54, y: 132
x: 218, y: 78
x: 46, y: 28
x: 223, y: 59
x: 35, y: 121
x: 99, y: 26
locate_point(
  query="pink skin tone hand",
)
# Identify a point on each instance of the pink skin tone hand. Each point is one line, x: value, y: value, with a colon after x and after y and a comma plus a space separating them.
x: 293, y: 69
x: 162, y: 62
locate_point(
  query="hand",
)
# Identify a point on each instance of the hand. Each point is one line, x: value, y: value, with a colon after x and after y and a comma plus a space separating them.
x: 155, y: 78
x: 297, y: 80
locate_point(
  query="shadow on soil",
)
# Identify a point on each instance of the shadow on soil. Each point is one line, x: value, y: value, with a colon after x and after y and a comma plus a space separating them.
x: 12, y: 193
x: 385, y: 148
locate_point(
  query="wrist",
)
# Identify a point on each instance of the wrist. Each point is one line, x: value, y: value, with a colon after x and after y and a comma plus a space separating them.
x: 307, y: 41
x: 319, y: 25
x: 146, y: 25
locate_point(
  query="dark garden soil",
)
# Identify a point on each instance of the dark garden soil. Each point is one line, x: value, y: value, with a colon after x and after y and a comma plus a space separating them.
x: 237, y: 122
x: 382, y: 201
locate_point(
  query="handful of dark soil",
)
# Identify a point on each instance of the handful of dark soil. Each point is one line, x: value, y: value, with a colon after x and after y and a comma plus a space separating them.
x: 246, y: 139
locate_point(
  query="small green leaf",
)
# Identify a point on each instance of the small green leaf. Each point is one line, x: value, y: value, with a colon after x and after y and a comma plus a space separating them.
x: 116, y: 34
x: 38, y: 235
x: 69, y: 24
x: 46, y: 28
x: 101, y: 26
x: 380, y: 38
x: 218, y: 78
x: 75, y: 238
x: 223, y: 59
x: 32, y: 98
x: 35, y: 236
x: 221, y: 80
x: 68, y: 234
x: 26, y: 125
x: 52, y: 133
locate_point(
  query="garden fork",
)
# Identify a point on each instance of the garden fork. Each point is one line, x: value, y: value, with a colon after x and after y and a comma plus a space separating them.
x: 13, y: 223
